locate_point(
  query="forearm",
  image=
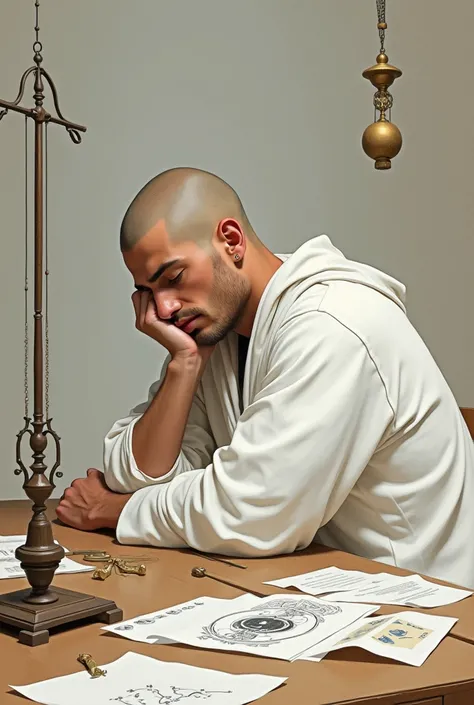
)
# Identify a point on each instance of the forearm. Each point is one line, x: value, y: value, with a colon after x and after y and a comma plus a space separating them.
x: 158, y: 435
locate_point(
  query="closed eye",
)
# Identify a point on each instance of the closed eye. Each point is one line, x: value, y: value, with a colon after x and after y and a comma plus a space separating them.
x: 176, y: 279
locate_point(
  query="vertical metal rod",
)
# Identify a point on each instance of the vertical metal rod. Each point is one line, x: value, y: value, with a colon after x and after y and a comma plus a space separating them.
x: 26, y: 333
x: 38, y: 338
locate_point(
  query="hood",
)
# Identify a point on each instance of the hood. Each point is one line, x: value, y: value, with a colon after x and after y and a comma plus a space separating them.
x: 317, y: 261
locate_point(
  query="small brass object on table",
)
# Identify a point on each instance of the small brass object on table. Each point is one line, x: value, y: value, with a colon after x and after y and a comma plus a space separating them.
x: 202, y: 573
x: 121, y: 566
x: 130, y: 568
x: 103, y: 573
x: 90, y: 664
x: 91, y: 554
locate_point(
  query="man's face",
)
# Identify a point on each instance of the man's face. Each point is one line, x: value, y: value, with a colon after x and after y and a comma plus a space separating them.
x: 194, y: 288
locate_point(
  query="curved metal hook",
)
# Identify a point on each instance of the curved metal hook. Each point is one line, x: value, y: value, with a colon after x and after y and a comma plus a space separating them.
x: 23, y: 84
x: 58, y: 452
x: 21, y: 90
x: 73, y: 134
x: 19, y: 436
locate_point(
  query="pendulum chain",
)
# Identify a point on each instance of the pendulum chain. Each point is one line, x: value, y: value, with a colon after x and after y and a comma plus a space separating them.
x: 381, y: 23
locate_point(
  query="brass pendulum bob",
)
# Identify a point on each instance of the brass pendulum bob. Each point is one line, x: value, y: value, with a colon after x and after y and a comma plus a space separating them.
x: 382, y: 140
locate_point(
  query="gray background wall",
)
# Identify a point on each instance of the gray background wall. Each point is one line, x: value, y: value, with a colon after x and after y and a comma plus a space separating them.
x: 268, y: 94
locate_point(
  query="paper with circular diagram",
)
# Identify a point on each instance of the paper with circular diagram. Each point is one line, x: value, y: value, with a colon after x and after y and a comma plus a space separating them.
x: 277, y: 626
x: 134, y: 679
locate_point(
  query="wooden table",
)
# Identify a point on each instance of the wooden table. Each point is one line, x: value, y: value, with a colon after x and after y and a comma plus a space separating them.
x: 347, y: 676
x: 317, y: 557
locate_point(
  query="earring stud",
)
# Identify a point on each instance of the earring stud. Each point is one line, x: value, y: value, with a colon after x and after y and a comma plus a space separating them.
x: 236, y: 257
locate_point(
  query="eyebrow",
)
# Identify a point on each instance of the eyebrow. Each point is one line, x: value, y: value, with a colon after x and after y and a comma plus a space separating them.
x: 162, y: 268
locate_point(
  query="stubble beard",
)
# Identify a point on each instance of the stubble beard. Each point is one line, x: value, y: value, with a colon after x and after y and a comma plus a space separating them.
x: 230, y: 294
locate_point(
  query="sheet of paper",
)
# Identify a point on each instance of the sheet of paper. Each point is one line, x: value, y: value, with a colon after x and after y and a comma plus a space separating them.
x: 10, y: 566
x: 134, y: 679
x: 144, y: 629
x: 382, y: 588
x: 409, y: 637
x: 276, y: 626
x: 412, y: 590
x: 333, y: 579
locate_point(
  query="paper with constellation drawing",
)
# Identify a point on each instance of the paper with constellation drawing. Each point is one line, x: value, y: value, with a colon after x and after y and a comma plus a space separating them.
x: 10, y: 566
x: 409, y: 637
x: 339, y: 585
x: 134, y: 679
x: 277, y: 626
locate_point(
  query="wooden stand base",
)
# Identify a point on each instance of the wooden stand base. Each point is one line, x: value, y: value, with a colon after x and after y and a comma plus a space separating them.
x: 35, y: 621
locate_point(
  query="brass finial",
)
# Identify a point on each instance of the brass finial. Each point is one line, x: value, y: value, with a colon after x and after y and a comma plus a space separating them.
x: 382, y: 140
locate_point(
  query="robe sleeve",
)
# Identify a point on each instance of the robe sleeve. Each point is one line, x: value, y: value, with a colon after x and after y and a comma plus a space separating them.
x: 121, y: 471
x: 297, y: 452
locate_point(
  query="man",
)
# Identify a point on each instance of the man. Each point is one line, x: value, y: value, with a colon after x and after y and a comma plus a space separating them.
x: 297, y: 401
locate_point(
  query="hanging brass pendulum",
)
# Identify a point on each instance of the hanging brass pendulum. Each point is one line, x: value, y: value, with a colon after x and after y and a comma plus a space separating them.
x: 382, y: 140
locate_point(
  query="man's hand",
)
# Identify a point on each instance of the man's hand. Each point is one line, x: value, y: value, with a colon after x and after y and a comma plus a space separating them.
x: 158, y: 433
x: 88, y: 504
x: 176, y: 341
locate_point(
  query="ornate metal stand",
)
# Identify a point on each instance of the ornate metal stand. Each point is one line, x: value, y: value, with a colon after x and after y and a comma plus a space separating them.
x: 34, y: 611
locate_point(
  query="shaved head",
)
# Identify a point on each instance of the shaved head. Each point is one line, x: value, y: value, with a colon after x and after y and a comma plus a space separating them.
x: 192, y: 253
x: 189, y: 202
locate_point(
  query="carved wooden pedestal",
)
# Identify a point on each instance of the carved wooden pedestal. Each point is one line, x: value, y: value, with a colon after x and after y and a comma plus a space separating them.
x: 35, y: 621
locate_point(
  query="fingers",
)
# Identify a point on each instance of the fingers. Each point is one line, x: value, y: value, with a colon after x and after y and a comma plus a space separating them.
x: 68, y: 515
x: 136, y: 305
x: 145, y: 298
x: 151, y: 315
x: 78, y: 482
x: 74, y: 497
x: 96, y: 474
x: 146, y: 314
x: 140, y: 300
x: 61, y: 511
x: 69, y: 494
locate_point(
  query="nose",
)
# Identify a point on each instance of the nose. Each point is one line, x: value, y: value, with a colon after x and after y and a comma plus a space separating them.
x: 166, y: 304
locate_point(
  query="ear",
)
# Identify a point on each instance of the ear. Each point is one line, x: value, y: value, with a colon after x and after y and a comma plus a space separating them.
x: 229, y: 231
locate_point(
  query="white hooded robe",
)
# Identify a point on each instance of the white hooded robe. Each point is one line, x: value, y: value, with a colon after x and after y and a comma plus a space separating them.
x: 349, y: 434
